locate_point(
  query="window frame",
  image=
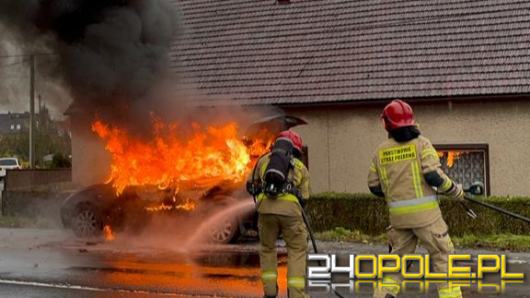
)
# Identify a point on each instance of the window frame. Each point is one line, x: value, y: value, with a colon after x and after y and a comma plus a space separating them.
x: 478, y: 146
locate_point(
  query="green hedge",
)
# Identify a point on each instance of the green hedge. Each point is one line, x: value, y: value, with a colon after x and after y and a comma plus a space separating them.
x: 369, y: 214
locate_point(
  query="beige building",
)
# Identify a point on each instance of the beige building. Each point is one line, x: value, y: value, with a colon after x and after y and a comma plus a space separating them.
x: 463, y: 65
x: 342, y: 139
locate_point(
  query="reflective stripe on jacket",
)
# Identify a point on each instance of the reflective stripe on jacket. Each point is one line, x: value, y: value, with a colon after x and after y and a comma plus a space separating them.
x: 285, y: 204
x: 399, y: 168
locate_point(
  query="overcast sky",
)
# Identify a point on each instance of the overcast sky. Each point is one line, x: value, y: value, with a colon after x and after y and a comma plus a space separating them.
x: 14, y: 81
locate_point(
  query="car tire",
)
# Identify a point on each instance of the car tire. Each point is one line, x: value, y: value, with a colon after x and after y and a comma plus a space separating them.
x: 225, y: 232
x: 87, y: 221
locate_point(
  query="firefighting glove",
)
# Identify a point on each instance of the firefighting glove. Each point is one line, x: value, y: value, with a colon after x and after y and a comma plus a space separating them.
x: 456, y: 192
x: 298, y: 195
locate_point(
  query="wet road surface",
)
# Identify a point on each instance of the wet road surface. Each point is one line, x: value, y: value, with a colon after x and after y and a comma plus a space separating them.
x: 52, y: 263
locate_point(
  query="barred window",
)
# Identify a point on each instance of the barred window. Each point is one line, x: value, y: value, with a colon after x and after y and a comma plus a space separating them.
x: 465, y: 163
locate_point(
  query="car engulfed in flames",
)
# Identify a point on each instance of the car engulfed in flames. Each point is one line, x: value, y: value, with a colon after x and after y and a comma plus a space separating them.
x: 190, y: 175
x: 206, y: 157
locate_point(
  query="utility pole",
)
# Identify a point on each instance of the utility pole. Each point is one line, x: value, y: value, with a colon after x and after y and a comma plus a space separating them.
x: 32, y: 112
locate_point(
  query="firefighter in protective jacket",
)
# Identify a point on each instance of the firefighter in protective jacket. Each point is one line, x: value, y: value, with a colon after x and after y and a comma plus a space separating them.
x: 282, y: 214
x: 405, y: 171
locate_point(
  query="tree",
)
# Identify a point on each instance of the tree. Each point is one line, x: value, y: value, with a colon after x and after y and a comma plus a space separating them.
x: 60, y: 161
x: 14, y: 145
x: 47, y: 141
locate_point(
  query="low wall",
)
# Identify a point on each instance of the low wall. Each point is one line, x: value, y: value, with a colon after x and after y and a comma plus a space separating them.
x: 41, y: 206
x: 24, y: 179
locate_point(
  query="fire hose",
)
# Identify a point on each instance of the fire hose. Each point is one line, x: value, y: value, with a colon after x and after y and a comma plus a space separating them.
x: 477, y: 188
x: 313, y: 242
x: 309, y: 230
x: 498, y: 209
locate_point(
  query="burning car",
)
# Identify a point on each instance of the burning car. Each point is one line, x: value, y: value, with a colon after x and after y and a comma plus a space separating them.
x: 137, y: 191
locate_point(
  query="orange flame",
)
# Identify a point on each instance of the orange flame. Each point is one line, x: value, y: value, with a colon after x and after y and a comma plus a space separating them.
x: 208, y: 156
x: 452, y: 156
x: 188, y: 206
x: 107, y: 232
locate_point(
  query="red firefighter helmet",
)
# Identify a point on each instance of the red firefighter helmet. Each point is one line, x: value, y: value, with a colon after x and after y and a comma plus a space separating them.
x: 295, y: 138
x: 398, y: 114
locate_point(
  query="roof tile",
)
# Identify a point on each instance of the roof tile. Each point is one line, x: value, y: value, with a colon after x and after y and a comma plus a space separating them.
x: 340, y: 50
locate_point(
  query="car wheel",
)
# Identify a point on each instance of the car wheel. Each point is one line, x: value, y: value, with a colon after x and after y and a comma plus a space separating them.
x: 224, y: 232
x: 87, y: 221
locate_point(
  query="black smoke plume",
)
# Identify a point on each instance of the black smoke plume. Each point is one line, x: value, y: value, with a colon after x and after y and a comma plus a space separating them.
x: 110, y: 53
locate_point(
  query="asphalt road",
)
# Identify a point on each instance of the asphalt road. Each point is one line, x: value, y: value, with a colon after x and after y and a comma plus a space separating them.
x: 53, y: 263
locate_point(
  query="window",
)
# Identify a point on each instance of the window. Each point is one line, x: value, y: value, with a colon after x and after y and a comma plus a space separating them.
x: 12, y: 126
x: 466, y: 163
x: 18, y: 126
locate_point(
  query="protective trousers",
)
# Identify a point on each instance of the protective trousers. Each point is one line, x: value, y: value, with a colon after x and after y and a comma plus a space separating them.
x: 295, y: 235
x: 436, y: 240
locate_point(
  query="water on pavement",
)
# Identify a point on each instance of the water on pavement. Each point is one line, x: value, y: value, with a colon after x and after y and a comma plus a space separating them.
x: 52, y: 263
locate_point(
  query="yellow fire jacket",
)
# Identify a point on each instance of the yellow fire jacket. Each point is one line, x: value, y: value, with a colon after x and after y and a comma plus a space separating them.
x: 399, y: 170
x: 285, y: 204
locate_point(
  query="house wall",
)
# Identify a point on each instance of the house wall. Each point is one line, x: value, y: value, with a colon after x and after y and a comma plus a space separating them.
x: 341, y: 141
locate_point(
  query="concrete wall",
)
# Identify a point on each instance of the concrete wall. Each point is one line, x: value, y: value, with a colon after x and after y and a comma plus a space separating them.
x: 21, y: 179
x: 342, y: 140
x: 42, y: 206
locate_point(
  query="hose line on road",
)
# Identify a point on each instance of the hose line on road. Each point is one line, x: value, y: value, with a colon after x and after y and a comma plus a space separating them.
x: 498, y: 209
x: 313, y: 242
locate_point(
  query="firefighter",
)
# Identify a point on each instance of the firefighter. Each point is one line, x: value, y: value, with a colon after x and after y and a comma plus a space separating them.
x: 282, y: 214
x: 406, y: 171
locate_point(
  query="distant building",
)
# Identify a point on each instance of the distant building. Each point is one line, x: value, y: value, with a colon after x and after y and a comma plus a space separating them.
x: 13, y: 122
x: 19, y: 122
